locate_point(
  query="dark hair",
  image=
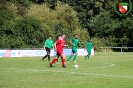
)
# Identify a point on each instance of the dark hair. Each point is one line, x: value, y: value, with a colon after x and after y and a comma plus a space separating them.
x: 50, y: 35
x: 63, y: 34
x: 58, y: 36
x: 89, y: 40
x: 75, y: 35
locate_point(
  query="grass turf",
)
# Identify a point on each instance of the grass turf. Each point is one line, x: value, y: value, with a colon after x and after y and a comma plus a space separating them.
x: 100, y: 71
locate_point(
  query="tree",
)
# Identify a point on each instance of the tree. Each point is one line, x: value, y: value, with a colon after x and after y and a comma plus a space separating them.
x: 28, y: 33
x: 7, y: 22
x: 61, y: 20
x: 47, y: 17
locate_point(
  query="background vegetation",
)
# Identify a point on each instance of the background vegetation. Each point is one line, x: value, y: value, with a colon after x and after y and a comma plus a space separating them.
x: 27, y: 23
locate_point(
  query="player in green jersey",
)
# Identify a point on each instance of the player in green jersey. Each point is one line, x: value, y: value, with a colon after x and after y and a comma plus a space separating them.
x: 74, y: 42
x: 48, y: 44
x: 88, y: 48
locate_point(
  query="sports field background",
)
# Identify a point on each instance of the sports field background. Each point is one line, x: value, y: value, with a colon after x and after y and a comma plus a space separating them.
x: 110, y: 70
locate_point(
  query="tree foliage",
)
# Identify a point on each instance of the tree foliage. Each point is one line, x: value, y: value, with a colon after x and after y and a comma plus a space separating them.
x: 95, y: 19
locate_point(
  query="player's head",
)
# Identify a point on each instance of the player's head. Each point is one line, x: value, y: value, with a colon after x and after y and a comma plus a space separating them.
x: 89, y: 40
x: 50, y: 37
x: 63, y: 36
x: 59, y: 36
x: 76, y: 36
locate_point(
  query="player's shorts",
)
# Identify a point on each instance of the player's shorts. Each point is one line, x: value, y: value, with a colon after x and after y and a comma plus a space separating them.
x: 59, y: 52
x: 74, y: 49
x: 47, y: 50
x: 89, y: 51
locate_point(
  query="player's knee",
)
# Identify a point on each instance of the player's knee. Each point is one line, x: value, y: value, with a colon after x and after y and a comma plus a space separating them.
x: 63, y: 56
x: 72, y: 54
x: 48, y: 55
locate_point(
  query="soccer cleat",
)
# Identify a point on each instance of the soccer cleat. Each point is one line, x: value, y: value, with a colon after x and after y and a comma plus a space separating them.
x: 86, y: 57
x: 57, y: 62
x: 42, y: 59
x: 74, y: 61
x: 50, y: 64
x: 68, y: 61
x: 64, y: 66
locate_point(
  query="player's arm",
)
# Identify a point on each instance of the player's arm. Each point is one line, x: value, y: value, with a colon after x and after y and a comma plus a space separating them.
x: 71, y: 43
x: 85, y: 47
x: 52, y: 45
x: 56, y: 44
x: 65, y: 46
x: 45, y: 44
x: 92, y: 46
x: 44, y: 47
x: 78, y: 43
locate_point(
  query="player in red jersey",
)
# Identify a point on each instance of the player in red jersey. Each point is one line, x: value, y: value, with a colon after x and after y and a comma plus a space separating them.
x: 58, y: 45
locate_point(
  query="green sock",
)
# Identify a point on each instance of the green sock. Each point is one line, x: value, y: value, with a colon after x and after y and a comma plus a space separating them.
x: 88, y: 56
x: 74, y: 58
x: 69, y: 58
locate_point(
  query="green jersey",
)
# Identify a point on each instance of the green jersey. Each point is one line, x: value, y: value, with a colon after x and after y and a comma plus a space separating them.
x: 89, y: 45
x: 75, y: 41
x: 48, y: 43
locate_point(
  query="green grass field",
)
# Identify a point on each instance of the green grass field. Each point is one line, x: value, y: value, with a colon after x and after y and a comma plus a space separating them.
x: 100, y: 71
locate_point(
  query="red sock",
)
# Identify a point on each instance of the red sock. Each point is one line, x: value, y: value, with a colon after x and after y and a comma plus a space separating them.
x: 53, y: 60
x: 63, y: 62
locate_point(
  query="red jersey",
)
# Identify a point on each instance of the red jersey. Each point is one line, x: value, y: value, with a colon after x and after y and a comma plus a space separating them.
x: 59, y: 44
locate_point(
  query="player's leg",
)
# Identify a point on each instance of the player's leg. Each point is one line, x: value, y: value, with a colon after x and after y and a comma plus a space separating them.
x: 89, y: 52
x: 75, y: 56
x: 54, y: 59
x: 46, y: 54
x: 57, y: 58
x: 70, y: 56
x: 89, y: 55
x: 63, y: 60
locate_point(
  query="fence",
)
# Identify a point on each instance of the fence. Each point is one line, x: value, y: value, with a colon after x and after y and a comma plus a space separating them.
x: 118, y: 50
x: 37, y: 52
x: 81, y: 52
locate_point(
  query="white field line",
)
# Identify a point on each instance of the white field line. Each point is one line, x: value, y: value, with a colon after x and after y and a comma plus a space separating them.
x: 108, y: 65
x: 79, y: 73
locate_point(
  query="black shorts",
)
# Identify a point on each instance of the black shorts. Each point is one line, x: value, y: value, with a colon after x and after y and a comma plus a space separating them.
x: 47, y: 50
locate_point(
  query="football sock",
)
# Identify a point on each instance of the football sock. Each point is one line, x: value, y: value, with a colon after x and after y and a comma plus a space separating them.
x: 53, y: 60
x: 88, y: 56
x: 63, y: 62
x: 57, y: 60
x: 45, y: 56
x: 48, y: 57
x: 74, y: 57
x: 69, y: 58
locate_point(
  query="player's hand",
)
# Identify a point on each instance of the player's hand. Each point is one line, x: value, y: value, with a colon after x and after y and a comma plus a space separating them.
x: 44, y: 49
x: 55, y: 49
x: 67, y: 46
x: 84, y: 49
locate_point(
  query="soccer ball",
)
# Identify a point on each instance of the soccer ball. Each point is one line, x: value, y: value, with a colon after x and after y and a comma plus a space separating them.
x: 76, y: 66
